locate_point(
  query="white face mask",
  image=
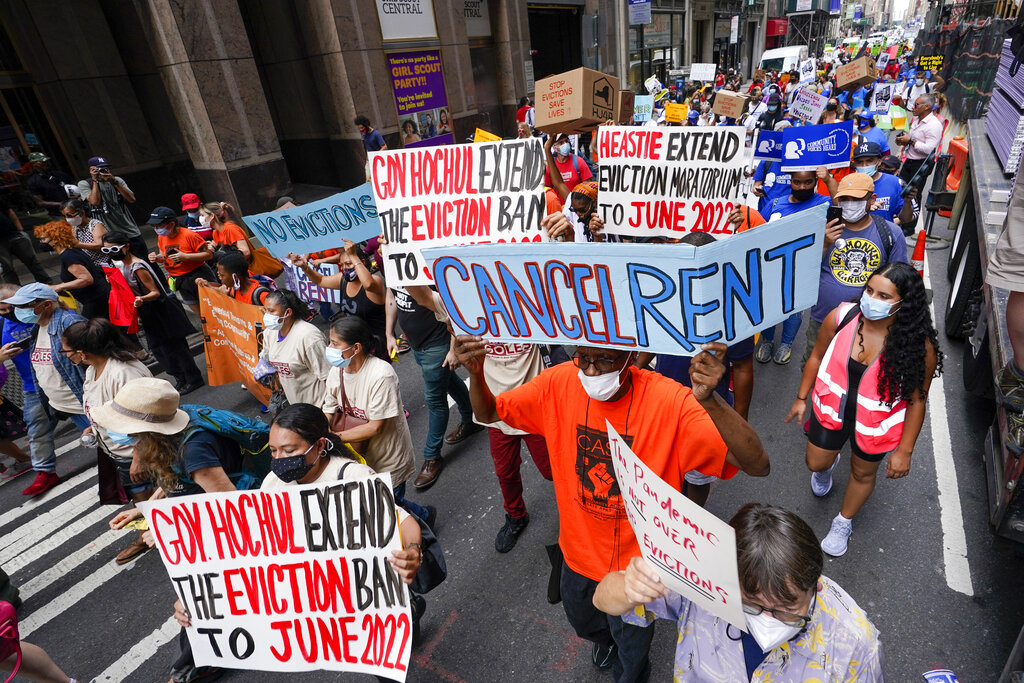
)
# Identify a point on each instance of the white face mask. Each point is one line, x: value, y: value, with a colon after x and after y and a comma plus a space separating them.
x: 853, y: 209
x: 603, y: 387
x: 272, y: 322
x: 75, y: 221
x: 768, y: 631
x: 206, y: 220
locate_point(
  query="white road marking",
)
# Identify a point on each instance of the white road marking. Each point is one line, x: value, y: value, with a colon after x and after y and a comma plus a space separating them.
x: 36, y: 549
x: 122, y: 669
x: 69, y: 598
x: 30, y: 505
x: 68, y: 564
x: 41, y: 525
x: 954, y: 538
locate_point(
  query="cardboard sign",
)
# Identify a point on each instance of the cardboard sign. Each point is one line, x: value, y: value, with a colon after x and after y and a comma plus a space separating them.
x: 693, y: 551
x: 295, y: 579
x: 881, y: 97
x: 318, y: 226
x: 646, y: 297
x: 768, y: 146
x: 297, y: 281
x: 702, y: 72
x: 808, y: 105
x: 805, y: 148
x: 625, y: 107
x: 931, y: 63
x: 730, y: 104
x: 643, y: 107
x: 669, y: 181
x: 675, y: 113
x: 231, y: 341
x: 856, y: 73
x: 458, y: 194
x: 481, y: 135
x: 807, y: 69
x: 575, y: 101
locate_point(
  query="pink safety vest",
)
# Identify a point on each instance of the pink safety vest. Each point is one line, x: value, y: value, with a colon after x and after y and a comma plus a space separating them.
x: 878, y: 428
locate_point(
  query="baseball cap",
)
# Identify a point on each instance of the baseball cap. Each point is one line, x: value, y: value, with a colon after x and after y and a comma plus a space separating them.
x: 890, y: 163
x: 855, y: 186
x: 867, y: 149
x: 189, y: 201
x: 161, y: 214
x: 693, y: 115
x: 32, y: 292
x: 37, y: 156
x: 98, y: 162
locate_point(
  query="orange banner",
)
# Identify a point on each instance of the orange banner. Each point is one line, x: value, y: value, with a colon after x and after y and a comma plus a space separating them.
x: 231, y: 340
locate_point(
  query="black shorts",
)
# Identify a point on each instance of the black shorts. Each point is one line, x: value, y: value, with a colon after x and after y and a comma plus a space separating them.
x: 833, y: 439
x: 186, y: 285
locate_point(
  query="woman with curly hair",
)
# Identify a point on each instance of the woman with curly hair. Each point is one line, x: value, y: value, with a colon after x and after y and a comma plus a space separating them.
x: 884, y: 353
x: 78, y: 273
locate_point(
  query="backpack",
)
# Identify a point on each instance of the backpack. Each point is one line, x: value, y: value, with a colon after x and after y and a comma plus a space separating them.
x: 885, y: 234
x: 251, y: 435
x: 590, y: 165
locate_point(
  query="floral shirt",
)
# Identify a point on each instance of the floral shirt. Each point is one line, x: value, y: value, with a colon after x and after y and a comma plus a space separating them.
x: 839, y: 644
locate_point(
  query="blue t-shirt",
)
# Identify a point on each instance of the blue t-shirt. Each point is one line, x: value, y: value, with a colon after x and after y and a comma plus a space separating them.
x: 776, y: 184
x: 844, y: 272
x: 873, y: 134
x: 201, y: 450
x: 373, y: 140
x: 782, y: 207
x: 887, y: 189
x: 678, y: 367
x: 16, y: 331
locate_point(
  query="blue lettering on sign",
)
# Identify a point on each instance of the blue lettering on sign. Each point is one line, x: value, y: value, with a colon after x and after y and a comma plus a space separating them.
x: 749, y: 296
x: 691, y: 309
x: 646, y: 305
x: 441, y: 268
x: 787, y: 252
x: 522, y: 302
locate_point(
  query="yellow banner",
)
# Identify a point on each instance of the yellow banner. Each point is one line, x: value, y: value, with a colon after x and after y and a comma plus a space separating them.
x: 231, y: 341
x: 482, y: 135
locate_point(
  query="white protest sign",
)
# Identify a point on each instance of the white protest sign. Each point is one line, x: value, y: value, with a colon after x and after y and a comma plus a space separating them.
x: 456, y: 194
x: 881, y: 97
x: 808, y: 105
x: 669, y: 181
x: 296, y: 579
x: 807, y: 68
x: 693, y: 551
x: 297, y: 281
x: 702, y: 72
x: 646, y: 297
x: 882, y: 61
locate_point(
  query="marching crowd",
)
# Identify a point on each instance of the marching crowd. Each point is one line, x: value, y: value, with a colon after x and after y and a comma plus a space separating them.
x: 85, y: 345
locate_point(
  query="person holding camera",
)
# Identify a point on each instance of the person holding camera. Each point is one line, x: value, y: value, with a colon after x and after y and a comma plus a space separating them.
x: 109, y: 197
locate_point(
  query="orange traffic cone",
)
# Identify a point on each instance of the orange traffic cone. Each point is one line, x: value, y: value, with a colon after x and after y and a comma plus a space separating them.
x: 917, y: 260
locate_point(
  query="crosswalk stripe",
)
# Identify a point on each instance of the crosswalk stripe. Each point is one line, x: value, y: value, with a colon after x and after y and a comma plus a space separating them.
x: 69, y: 563
x: 56, y: 518
x: 69, y: 598
x: 33, y: 551
x: 139, y: 653
x: 48, y: 497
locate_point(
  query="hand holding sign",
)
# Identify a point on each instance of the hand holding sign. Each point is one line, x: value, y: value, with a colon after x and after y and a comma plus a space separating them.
x: 707, y: 370
x: 471, y: 351
x: 642, y: 582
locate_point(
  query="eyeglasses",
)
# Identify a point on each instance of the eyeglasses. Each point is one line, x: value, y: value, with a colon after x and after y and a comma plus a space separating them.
x: 602, y: 363
x: 786, y: 618
x: 111, y: 250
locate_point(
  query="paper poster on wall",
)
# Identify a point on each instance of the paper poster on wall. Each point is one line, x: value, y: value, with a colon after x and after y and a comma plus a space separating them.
x: 702, y: 72
x: 477, y: 18
x: 805, y: 148
x: 669, y: 181
x: 803, y: 5
x: 417, y: 79
x: 808, y: 105
x: 406, y: 20
x: 646, y: 297
x: 295, y: 579
x: 693, y: 551
x: 458, y: 194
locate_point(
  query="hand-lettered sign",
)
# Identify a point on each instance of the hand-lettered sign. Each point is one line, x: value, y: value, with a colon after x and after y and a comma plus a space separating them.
x: 662, y: 298
x: 693, y: 551
x: 318, y: 226
x: 805, y: 148
x: 931, y: 63
x: 643, y: 106
x: 297, y: 281
x: 231, y: 341
x: 808, y: 105
x: 703, y: 72
x: 458, y: 194
x: 294, y: 579
x: 669, y: 181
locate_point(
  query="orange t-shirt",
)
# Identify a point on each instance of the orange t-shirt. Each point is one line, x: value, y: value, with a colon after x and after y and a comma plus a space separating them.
x: 751, y: 218
x: 661, y: 421
x: 553, y: 201
x: 186, y: 241
x: 230, y: 234
x: 837, y: 174
x: 247, y: 297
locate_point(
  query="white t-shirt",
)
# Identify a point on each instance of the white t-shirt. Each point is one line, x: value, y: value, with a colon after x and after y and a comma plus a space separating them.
x: 57, y: 392
x: 373, y: 394
x: 96, y: 392
x: 507, y: 366
x: 299, y: 360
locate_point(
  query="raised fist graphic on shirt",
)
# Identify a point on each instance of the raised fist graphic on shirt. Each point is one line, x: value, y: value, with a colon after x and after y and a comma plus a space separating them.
x: 602, y: 480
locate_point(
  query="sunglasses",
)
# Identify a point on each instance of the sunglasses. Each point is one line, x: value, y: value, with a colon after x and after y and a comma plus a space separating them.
x: 111, y: 250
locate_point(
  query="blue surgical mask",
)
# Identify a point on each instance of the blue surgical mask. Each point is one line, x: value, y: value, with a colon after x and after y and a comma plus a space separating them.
x: 772, y: 108
x: 335, y: 358
x: 163, y: 232
x: 868, y: 170
x: 26, y: 315
x: 293, y: 467
x: 873, y: 309
x: 565, y: 149
x: 119, y: 439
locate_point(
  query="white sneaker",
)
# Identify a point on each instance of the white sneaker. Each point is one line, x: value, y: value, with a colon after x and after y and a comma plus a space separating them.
x: 838, y: 539
x: 821, y: 482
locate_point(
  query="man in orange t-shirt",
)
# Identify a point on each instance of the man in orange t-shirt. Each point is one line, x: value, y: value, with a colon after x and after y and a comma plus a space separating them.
x: 672, y: 428
x: 183, y: 253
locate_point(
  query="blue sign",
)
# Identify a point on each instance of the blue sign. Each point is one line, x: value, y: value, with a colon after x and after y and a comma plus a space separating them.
x: 834, y: 6
x: 325, y: 224
x: 769, y: 145
x: 858, y: 11
x: 643, y: 107
x: 805, y: 148
x: 639, y: 12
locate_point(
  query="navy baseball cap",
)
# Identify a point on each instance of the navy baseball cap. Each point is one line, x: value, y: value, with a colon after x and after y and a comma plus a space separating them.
x: 867, y: 149
x: 161, y: 214
x: 98, y: 162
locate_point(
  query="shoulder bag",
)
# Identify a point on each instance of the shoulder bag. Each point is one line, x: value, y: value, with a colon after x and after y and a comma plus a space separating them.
x: 342, y: 420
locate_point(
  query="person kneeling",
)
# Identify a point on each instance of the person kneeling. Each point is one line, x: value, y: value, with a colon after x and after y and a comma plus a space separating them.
x: 800, y: 624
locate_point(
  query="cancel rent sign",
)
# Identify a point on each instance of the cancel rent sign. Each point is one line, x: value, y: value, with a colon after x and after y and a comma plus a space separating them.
x: 289, y: 580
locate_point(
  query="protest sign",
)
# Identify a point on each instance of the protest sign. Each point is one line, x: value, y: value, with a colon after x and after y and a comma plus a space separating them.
x: 231, y: 341
x: 931, y: 63
x: 808, y: 105
x: 643, y: 106
x: 807, y: 68
x: 805, y: 148
x: 297, y: 281
x: 671, y: 181
x: 702, y: 72
x: 881, y: 97
x: 769, y: 146
x: 645, y: 297
x: 675, y: 113
x: 417, y: 79
x: 481, y: 135
x: 319, y: 225
x: 882, y: 61
x: 457, y: 194
x: 294, y: 579
x: 693, y: 551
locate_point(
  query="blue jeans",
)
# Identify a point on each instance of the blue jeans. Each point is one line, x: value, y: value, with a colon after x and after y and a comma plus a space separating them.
x: 40, y: 423
x: 438, y: 383
x: 789, y: 329
x: 409, y: 506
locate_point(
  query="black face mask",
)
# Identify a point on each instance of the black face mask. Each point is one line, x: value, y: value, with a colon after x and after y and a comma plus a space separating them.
x: 831, y: 107
x: 802, y: 195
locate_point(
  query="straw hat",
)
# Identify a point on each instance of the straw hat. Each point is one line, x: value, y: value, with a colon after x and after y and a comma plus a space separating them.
x: 146, y: 404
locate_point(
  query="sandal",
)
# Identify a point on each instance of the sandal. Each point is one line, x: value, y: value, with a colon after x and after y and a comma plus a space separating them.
x: 131, y: 552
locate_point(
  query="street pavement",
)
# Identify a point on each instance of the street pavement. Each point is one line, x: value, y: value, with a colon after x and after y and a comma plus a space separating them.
x: 922, y: 562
